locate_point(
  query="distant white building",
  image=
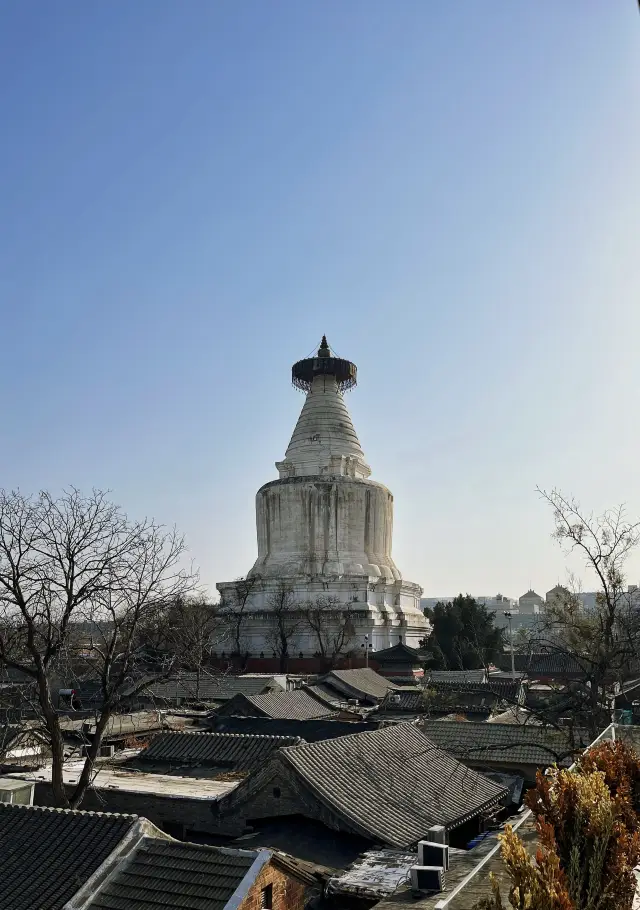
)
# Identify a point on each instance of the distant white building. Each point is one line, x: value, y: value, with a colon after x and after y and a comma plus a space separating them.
x: 588, y: 599
x: 498, y: 603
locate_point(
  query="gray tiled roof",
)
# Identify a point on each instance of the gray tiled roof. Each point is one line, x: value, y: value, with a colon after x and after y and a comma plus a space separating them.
x: 401, y: 700
x: 553, y: 662
x: 327, y: 694
x: 392, y: 784
x: 468, y: 697
x: 309, y: 730
x: 209, y: 688
x: 227, y: 750
x: 165, y: 875
x: 507, y: 689
x: 506, y: 674
x: 515, y: 714
x: 118, y: 725
x: 400, y: 653
x: 439, y: 702
x: 295, y: 705
x: 46, y: 855
x: 362, y: 683
x: 458, y: 676
x: 526, y: 744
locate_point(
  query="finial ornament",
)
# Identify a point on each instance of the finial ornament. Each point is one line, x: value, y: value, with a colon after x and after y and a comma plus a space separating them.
x: 323, y: 350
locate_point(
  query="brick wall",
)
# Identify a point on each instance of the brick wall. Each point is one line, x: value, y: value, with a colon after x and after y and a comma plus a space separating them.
x: 288, y: 892
x: 303, y: 666
x: 280, y: 795
x: 175, y: 816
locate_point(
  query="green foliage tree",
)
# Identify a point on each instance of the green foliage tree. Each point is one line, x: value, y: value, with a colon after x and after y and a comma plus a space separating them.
x: 464, y: 636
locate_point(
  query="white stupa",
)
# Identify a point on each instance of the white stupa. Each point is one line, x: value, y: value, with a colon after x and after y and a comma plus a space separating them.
x: 325, y: 530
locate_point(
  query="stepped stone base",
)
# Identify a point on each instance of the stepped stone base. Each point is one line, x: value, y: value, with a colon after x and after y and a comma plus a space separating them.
x: 388, y: 612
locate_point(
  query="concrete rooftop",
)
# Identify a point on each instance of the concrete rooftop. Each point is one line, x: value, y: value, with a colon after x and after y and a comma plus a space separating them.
x: 109, y: 778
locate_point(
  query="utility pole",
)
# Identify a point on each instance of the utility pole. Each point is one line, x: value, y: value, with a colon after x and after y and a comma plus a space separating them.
x: 507, y: 613
x: 366, y: 650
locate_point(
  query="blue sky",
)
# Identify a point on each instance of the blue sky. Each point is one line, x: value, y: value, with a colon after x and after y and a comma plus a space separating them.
x: 192, y: 193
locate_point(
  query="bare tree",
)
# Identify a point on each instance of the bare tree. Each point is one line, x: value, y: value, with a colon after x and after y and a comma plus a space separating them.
x: 234, y: 608
x: 79, y: 559
x: 598, y: 646
x: 331, y: 625
x: 190, y: 631
x: 522, y: 638
x: 584, y: 655
x: 285, y: 618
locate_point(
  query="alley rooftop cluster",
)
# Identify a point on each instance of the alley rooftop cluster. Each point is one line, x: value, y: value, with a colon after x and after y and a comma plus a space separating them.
x: 274, y: 790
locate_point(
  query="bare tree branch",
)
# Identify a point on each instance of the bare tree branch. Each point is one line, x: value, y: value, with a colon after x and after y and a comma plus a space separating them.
x: 286, y: 618
x: 78, y: 562
x: 331, y: 625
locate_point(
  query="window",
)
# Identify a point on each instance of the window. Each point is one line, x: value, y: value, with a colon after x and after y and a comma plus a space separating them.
x: 266, y: 898
x: 276, y: 792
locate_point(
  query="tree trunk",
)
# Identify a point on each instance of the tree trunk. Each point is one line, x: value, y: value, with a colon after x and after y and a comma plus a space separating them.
x: 85, y: 777
x: 57, y: 745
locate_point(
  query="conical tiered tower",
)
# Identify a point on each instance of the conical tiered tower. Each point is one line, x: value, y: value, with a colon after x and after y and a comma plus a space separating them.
x: 325, y: 530
x: 324, y: 440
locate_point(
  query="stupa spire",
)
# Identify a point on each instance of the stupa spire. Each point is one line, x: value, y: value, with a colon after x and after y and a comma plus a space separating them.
x: 324, y: 350
x: 324, y: 440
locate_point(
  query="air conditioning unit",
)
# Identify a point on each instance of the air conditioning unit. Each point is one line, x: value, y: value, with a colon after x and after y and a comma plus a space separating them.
x: 433, y: 854
x: 437, y: 834
x: 107, y: 751
x: 395, y: 699
x: 427, y: 878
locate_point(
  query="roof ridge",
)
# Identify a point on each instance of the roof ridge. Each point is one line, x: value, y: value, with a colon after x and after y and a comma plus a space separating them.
x: 149, y: 840
x: 229, y: 735
x: 404, y: 723
x: 537, y: 728
x: 57, y: 809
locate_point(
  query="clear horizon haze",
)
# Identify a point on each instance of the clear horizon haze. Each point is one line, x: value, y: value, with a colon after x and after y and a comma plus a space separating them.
x: 193, y: 193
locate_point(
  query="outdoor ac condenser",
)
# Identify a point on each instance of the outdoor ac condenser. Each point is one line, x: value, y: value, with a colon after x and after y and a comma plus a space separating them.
x: 433, y: 854
x: 427, y: 878
x: 437, y: 834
